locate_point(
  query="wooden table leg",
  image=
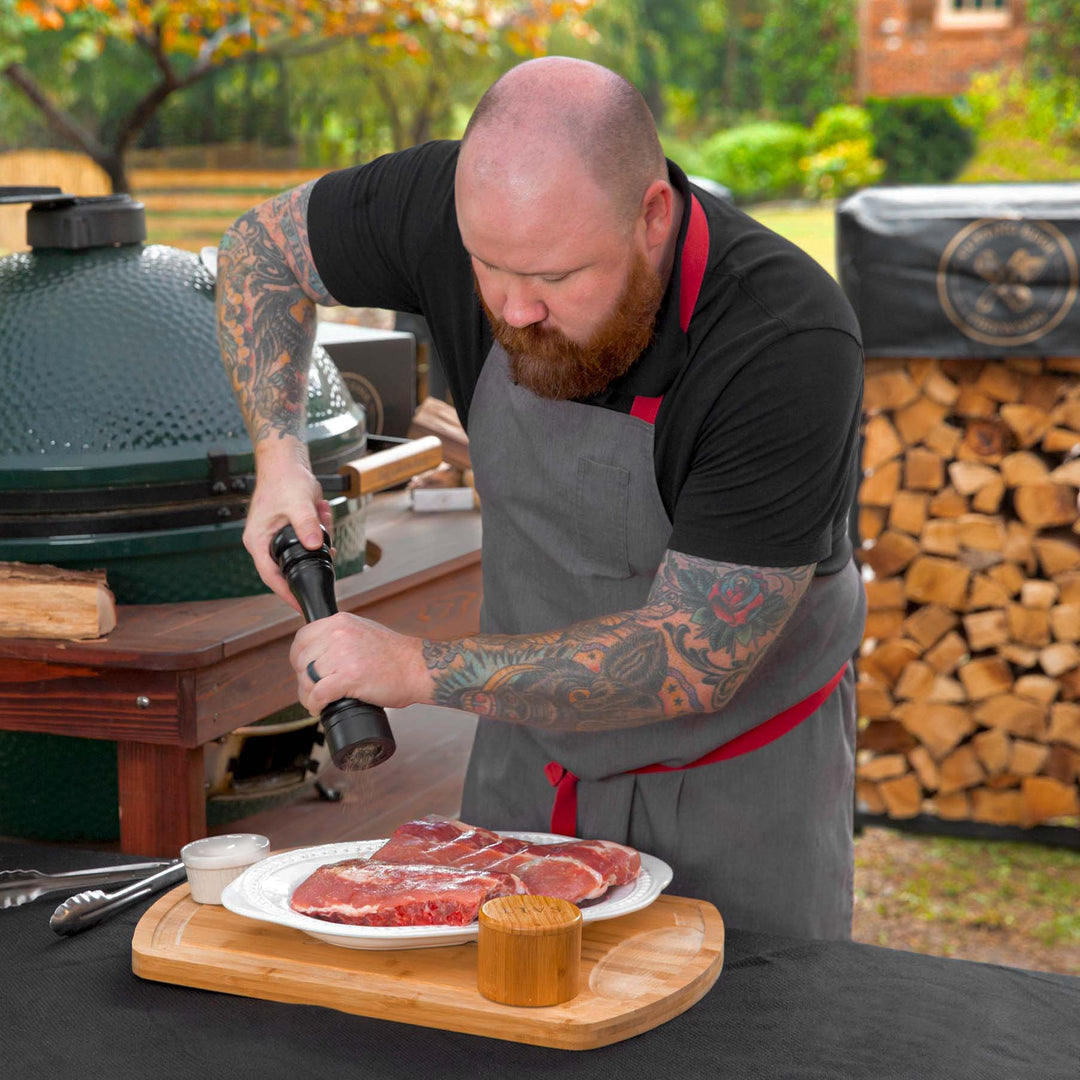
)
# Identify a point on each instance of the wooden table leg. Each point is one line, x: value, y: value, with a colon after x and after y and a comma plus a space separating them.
x: 162, y: 798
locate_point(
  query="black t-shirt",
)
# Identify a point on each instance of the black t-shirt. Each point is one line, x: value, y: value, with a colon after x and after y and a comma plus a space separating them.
x: 757, y: 438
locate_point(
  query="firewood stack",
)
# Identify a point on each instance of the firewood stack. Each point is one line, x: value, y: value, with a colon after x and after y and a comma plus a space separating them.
x: 969, y: 672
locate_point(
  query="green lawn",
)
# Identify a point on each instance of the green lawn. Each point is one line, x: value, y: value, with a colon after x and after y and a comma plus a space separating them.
x: 813, y: 228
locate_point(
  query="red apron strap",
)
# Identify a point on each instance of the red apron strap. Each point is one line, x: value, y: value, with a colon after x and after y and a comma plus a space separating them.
x: 695, y: 257
x: 564, y: 809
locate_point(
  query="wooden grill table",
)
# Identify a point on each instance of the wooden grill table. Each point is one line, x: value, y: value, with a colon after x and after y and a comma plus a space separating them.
x: 172, y: 677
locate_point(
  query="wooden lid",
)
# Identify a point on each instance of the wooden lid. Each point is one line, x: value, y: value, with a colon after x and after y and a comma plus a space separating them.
x: 529, y: 915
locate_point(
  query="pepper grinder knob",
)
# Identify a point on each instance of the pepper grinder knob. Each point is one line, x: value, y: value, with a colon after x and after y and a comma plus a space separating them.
x: 357, y: 734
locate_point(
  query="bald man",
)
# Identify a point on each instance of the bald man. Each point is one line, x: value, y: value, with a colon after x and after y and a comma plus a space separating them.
x: 662, y: 399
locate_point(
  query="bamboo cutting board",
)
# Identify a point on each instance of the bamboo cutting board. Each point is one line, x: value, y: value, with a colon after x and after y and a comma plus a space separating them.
x: 637, y: 972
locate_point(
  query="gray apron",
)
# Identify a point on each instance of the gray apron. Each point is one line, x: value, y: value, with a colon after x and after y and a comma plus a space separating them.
x: 574, y: 528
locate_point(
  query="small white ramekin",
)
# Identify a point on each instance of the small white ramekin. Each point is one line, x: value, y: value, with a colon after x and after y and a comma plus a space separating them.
x: 214, y: 861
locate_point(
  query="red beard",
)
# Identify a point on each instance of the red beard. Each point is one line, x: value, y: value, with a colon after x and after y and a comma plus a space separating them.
x: 552, y: 366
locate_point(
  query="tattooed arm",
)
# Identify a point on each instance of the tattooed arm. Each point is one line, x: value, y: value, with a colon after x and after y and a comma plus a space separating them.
x: 702, y: 630
x: 267, y: 290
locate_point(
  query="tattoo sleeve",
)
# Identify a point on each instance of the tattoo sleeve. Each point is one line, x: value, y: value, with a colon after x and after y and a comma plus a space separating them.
x: 267, y: 290
x: 702, y: 630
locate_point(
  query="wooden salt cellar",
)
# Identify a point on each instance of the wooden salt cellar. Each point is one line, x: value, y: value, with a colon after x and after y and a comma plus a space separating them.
x: 528, y: 950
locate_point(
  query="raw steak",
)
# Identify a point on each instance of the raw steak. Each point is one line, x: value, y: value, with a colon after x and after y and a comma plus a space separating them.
x: 366, y: 893
x: 574, y: 870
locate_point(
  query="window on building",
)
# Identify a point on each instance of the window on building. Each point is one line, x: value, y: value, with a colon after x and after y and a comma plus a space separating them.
x: 974, y: 14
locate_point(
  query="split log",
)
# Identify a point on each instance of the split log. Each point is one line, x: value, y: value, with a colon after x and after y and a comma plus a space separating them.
x: 939, y: 727
x: 41, y: 601
x: 883, y: 593
x: 986, y: 677
x: 931, y: 580
x: 890, y: 553
x: 890, y: 390
x: 1065, y: 724
x: 870, y: 800
x: 1024, y: 467
x: 997, y: 807
x: 917, y: 420
x: 1029, y: 626
x: 959, y: 770
x: 1028, y: 423
x: 902, y: 796
x: 1027, y: 758
x: 1046, y: 798
x: 948, y: 503
x: 885, y: 737
x: 1038, y: 594
x: 908, y: 512
x: 925, y: 768
x: 956, y: 806
x: 873, y: 700
x: 1065, y: 622
x: 992, y: 748
x: 1038, y: 688
x: 947, y: 655
x: 879, y: 488
x: 881, y: 443
x: 927, y: 625
x: 1045, y: 505
x: 1013, y: 714
x: 924, y: 470
x: 1056, y: 659
x: 943, y: 440
x: 985, y: 629
x: 882, y: 767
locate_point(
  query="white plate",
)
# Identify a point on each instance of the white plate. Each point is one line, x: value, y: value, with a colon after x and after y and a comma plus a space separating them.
x: 263, y: 891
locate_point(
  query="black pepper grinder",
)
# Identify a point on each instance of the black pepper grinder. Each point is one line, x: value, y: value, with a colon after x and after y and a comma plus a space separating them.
x: 357, y: 734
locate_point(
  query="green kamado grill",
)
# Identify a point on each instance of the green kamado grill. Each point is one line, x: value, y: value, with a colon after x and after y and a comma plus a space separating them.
x: 122, y: 448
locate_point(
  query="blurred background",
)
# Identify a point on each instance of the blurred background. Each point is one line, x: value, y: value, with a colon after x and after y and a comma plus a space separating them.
x: 201, y: 110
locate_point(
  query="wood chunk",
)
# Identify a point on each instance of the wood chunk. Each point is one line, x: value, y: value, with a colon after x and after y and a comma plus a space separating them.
x: 902, y: 796
x: 888, y: 659
x: 997, y: 807
x: 908, y: 511
x: 1029, y: 626
x: 968, y: 476
x: 1042, y: 391
x: 956, y: 806
x: 873, y: 700
x: 976, y: 560
x: 987, y: 593
x: 890, y: 553
x: 985, y: 441
x: 882, y: 767
x: 940, y: 388
x: 923, y: 469
x: 883, y: 623
x: 938, y: 727
x: 42, y: 601
x: 941, y: 536
x: 1064, y: 724
x: 999, y: 382
x: 946, y: 656
x: 947, y: 691
x: 1027, y: 423
x: 1060, y: 441
x: 1009, y: 576
x: 1063, y: 363
x: 1068, y: 581
x: 1038, y: 688
x: 1027, y: 757
x: 435, y: 417
x: 1069, y: 473
x: 881, y: 443
x: 1038, y: 594
x: 1070, y: 685
x: 1045, y: 505
x: 1058, y: 658
x: 959, y: 770
x: 920, y: 368
x: 943, y: 439
x: 881, y: 486
x: 1018, y: 545
x: 885, y: 391
x: 1057, y: 555
x: 870, y: 800
x: 1067, y: 414
x: 1045, y: 798
x: 1012, y: 714
x: 1003, y: 780
x: 973, y: 405
x: 962, y: 370
x: 982, y: 532
x: 926, y: 625
x: 871, y: 522
x: 916, y: 681
x: 1062, y: 763
x: 1023, y: 656
x: 992, y: 748
x: 987, y: 500
x: 884, y: 593
x: 1065, y: 622
x: 916, y: 420
x: 930, y: 580
x: 1024, y: 467
x: 885, y: 737
x: 948, y: 503
x: 986, y: 677
x: 925, y: 767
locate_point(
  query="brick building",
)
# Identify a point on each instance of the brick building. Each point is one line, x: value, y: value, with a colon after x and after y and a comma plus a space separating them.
x: 933, y: 47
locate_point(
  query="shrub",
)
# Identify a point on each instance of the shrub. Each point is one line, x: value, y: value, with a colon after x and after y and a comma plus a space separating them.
x: 922, y: 140
x: 756, y: 161
x: 840, y: 169
x: 842, y: 123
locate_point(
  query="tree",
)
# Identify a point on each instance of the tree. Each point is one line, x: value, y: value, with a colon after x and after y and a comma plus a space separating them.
x: 183, y: 42
x: 1054, y: 40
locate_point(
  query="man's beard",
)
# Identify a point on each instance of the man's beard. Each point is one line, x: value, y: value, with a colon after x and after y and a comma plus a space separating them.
x: 552, y: 366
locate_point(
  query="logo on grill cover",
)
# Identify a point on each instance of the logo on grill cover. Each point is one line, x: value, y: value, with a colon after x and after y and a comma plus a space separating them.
x: 365, y: 394
x: 1005, y: 282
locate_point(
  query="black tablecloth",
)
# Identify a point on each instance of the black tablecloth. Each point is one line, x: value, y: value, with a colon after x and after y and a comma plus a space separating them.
x: 781, y: 1008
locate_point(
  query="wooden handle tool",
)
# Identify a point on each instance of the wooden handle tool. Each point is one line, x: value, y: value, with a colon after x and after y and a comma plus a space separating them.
x: 387, y: 468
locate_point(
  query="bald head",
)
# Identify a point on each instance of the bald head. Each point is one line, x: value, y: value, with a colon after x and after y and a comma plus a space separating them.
x: 557, y: 109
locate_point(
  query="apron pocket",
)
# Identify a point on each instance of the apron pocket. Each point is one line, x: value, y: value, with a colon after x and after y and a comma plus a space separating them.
x: 603, y: 493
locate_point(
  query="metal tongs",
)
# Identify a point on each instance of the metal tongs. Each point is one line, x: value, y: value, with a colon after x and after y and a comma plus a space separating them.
x: 21, y: 886
x: 88, y: 908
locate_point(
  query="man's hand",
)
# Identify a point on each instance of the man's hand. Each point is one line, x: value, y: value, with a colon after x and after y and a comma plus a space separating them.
x: 358, y: 658
x: 286, y: 492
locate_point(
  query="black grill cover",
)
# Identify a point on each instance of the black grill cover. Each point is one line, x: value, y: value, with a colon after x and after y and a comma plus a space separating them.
x: 968, y: 270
